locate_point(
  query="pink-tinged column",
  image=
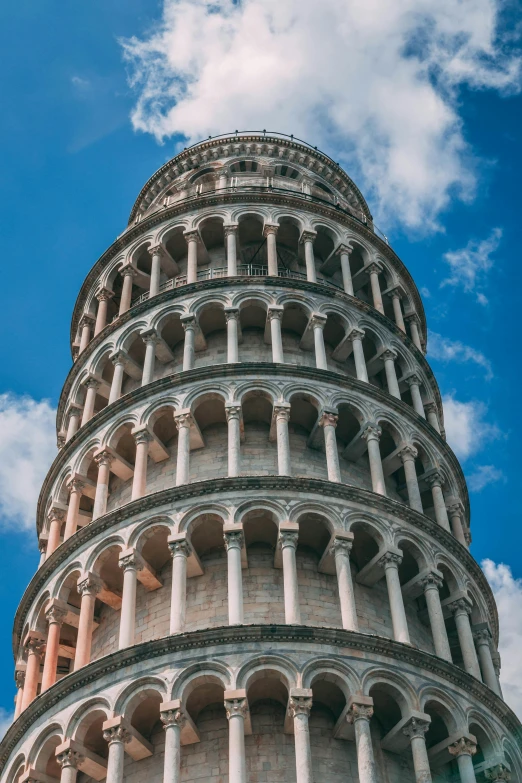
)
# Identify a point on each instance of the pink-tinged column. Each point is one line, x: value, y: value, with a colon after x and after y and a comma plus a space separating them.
x: 118, y: 361
x: 360, y: 712
x: 89, y: 585
x: 142, y: 439
x: 74, y: 422
x: 55, y: 614
x: 236, y: 707
x: 69, y: 760
x: 20, y: 681
x: 34, y: 647
x: 76, y: 487
x: 92, y: 386
x: 104, y: 460
x: 86, y: 323
x: 56, y: 519
x: 130, y: 561
x: 156, y: 253
x: 299, y: 708
x: 173, y: 719
x: 183, y: 421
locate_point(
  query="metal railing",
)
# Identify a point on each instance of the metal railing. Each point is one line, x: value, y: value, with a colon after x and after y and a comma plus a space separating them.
x: 243, y: 270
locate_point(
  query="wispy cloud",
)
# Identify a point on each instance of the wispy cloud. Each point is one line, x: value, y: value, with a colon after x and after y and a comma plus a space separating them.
x: 508, y: 595
x: 375, y: 83
x: 467, y: 431
x: 27, y: 448
x: 6, y: 720
x: 482, y: 476
x: 469, y: 265
x: 445, y: 350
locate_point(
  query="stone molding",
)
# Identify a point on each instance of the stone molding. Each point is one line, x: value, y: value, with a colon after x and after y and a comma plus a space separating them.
x: 294, y: 635
x: 241, y: 369
x: 264, y: 484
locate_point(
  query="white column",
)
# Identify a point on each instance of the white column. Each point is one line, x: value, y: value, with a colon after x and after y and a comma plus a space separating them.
x: 89, y: 585
x: 156, y: 253
x: 117, y: 379
x: 356, y: 336
x: 408, y: 455
x: 414, y: 328
x: 233, y: 414
x: 173, y: 719
x: 104, y: 460
x: 222, y: 180
x: 435, y: 481
x: 371, y: 434
x: 128, y: 273
x: 142, y: 439
x: 130, y: 562
x: 233, y: 543
x: 415, y: 730
x: 328, y: 422
x: 183, y: 460
x: 343, y: 251
x: 431, y: 585
x: 74, y: 422
x: 397, y: 309
x: 275, y: 316
x: 389, y: 358
x: 463, y: 750
x: 56, y: 519
x: 413, y: 382
x: 192, y: 238
x: 150, y: 338
x: 282, y: 417
x: 288, y: 543
x: 340, y: 548
x: 103, y: 296
x: 391, y: 562
x: 236, y: 709
x: 76, y: 487
x: 359, y: 714
x: 230, y: 232
x: 69, y: 761
x: 461, y: 611
x: 188, y: 323
x: 374, y: 270
x: 270, y: 232
x: 307, y: 238
x: 456, y: 514
x: 232, y: 318
x: 482, y: 638
x: 86, y: 322
x: 430, y: 410
x: 318, y: 322
x: 116, y: 737
x: 92, y: 386
x: 299, y: 708
x: 179, y: 549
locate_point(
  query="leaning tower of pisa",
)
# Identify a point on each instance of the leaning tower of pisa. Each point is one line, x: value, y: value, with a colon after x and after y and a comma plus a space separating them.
x: 254, y: 537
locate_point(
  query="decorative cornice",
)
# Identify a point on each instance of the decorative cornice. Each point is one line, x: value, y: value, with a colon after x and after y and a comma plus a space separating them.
x: 218, y: 198
x: 267, y: 486
x: 294, y: 636
x: 170, y: 382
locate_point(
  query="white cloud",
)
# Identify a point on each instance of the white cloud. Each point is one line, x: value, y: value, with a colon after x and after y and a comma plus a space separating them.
x: 6, y: 720
x: 508, y: 595
x: 482, y: 476
x: 373, y: 82
x: 469, y: 265
x: 466, y: 429
x: 445, y: 350
x: 27, y: 448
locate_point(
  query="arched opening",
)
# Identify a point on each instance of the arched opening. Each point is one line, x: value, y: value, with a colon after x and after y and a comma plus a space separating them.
x: 252, y: 243
x: 314, y: 579
x: 176, y: 246
x: 306, y: 457
x: 351, y: 446
x: 262, y: 581
x: 293, y: 327
x: 331, y: 752
x: 71, y: 597
x: 212, y: 460
x: 388, y: 705
x: 45, y: 760
x: 288, y: 245
x: 371, y: 593
x: 213, y: 327
x: 108, y: 602
x: 212, y: 234
x: 258, y: 450
x: 207, y: 593
x: 205, y: 707
x: 89, y: 733
x: 267, y: 695
x: 253, y: 327
x: 170, y: 355
x: 333, y: 335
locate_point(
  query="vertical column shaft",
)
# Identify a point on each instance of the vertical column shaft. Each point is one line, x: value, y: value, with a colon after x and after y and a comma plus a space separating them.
x: 408, y: 454
x: 232, y: 318
x: 328, y: 422
x: 288, y: 544
x: 341, y: 548
x: 179, y: 549
x: 183, y: 459
x: 282, y: 416
x: 390, y: 562
x: 233, y: 414
x: 233, y: 543
x: 432, y: 584
x: 372, y: 433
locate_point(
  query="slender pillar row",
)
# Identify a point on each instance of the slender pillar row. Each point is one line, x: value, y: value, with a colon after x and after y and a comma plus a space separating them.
x: 475, y: 643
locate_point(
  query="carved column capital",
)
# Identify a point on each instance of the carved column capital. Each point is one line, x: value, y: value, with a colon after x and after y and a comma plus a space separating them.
x: 359, y: 711
x: 172, y: 714
x: 328, y: 419
x: 408, y: 452
x: 432, y: 580
x: 390, y: 560
x: 56, y: 614
x: 117, y: 734
x: 231, y: 314
x: 157, y: 250
x: 460, y: 606
x: 371, y: 431
x: 130, y: 560
x: 389, y: 354
x: 299, y: 705
x: 233, y: 539
x: 416, y: 727
x: 308, y: 236
x: 282, y: 411
x: 275, y: 313
x: 104, y: 457
x: 434, y: 479
x: 288, y: 538
x: 236, y: 706
x: 179, y: 546
x: 89, y: 584
x: 70, y: 758
x: 104, y: 294
x: 270, y: 228
x: 498, y: 772
x: 356, y: 334
x: 462, y: 747
x: 340, y: 545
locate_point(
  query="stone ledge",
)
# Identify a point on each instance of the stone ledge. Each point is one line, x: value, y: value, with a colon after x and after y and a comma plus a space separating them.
x: 256, y: 634
x: 264, y: 484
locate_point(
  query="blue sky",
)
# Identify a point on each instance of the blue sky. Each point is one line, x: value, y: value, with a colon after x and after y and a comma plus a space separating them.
x: 442, y: 173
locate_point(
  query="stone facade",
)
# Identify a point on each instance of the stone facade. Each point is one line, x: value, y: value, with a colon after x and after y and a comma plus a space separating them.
x: 254, y: 538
